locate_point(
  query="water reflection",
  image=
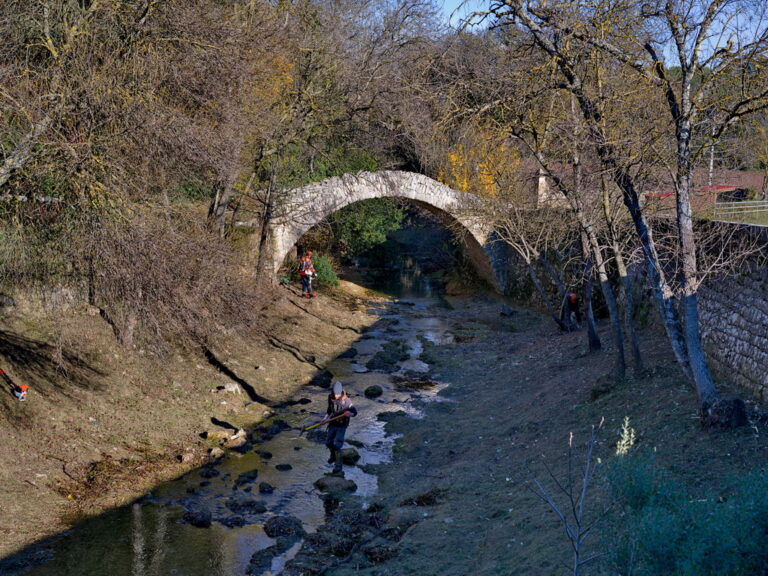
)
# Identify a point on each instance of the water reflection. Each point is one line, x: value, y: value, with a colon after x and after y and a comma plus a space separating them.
x: 404, y: 281
x: 154, y: 536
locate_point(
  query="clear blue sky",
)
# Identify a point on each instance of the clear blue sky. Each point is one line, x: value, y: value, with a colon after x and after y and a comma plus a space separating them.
x: 464, y: 8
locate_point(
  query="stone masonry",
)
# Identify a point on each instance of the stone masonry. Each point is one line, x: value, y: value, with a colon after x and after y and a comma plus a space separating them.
x: 309, y: 205
x: 734, y: 324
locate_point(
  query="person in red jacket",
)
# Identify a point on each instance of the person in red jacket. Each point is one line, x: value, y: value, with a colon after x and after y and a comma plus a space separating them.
x: 306, y: 273
x: 571, y: 310
x: 21, y: 392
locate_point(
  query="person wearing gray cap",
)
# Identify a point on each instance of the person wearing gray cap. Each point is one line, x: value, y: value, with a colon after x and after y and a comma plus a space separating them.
x: 340, y: 410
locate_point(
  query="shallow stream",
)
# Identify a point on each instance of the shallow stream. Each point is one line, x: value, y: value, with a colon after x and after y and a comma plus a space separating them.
x: 154, y: 536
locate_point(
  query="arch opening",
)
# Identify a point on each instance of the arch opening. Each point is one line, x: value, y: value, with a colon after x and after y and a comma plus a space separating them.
x: 313, y: 204
x: 419, y: 256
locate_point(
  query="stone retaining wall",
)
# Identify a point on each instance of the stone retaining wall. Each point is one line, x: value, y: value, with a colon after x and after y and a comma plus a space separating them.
x: 734, y: 323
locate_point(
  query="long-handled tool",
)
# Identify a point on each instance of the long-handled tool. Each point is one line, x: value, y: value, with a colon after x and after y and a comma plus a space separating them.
x: 325, y: 421
x: 7, y: 379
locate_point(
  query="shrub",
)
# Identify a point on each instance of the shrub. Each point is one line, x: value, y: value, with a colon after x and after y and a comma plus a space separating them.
x: 325, y: 274
x: 636, y: 481
x: 669, y: 532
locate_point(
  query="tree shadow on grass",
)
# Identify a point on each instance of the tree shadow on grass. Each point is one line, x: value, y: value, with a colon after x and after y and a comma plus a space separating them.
x: 35, y: 363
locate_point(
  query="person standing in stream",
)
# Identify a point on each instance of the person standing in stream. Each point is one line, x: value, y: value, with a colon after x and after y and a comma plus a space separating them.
x: 340, y: 410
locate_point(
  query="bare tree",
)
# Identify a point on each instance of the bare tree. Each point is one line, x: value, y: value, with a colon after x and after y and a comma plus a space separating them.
x: 707, y: 38
x: 568, y: 499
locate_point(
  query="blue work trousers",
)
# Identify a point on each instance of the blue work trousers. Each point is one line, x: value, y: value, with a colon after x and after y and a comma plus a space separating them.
x: 335, y: 438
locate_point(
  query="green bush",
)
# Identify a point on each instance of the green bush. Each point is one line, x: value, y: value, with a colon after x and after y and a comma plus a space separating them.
x: 637, y: 482
x: 325, y: 274
x: 364, y: 225
x: 194, y: 190
x: 667, y: 531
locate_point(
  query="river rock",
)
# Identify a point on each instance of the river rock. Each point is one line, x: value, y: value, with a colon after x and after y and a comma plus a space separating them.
x: 186, y: 457
x: 374, y: 391
x: 350, y: 353
x: 283, y: 467
x: 322, y: 380
x: 243, y: 449
x: 261, y: 561
x: 336, y: 539
x: 380, y: 553
x: 335, y: 484
x: 216, y: 453
x: 246, y: 478
x: 198, y: 517
x: 237, y: 440
x: 216, y: 434
x: 246, y: 506
x: 275, y: 427
x: 350, y: 456
x: 266, y: 454
x: 283, y: 526
x: 266, y: 488
x: 209, y: 472
x: 392, y: 416
x: 318, y: 435
x: 233, y: 521
x: 358, y: 368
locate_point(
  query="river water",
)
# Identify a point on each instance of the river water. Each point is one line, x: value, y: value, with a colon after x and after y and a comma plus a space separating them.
x: 152, y: 537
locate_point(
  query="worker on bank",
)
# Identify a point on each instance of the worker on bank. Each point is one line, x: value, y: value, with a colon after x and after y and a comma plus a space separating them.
x: 571, y: 310
x: 306, y: 273
x: 340, y: 410
x: 21, y: 392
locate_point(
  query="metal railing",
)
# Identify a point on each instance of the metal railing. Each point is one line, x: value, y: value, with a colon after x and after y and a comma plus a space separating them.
x: 739, y: 210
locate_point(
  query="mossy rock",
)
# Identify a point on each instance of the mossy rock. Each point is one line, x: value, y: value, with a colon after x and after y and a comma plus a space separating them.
x: 332, y: 484
x: 374, y: 391
x: 350, y: 456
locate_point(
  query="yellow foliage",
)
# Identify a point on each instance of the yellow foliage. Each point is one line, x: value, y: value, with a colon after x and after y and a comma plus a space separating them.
x: 482, y: 162
x: 273, y: 79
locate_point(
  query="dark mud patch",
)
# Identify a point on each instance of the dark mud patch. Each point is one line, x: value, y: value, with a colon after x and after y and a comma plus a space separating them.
x: 431, y: 497
x: 413, y: 383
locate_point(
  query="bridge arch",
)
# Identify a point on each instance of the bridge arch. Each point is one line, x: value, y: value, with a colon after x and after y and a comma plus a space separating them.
x: 309, y: 205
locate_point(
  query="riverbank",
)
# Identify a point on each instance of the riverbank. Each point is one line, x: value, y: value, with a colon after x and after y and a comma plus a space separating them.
x: 457, y: 497
x: 104, y: 424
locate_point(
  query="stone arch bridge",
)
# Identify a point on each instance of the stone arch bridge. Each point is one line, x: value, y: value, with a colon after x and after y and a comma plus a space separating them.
x: 309, y: 205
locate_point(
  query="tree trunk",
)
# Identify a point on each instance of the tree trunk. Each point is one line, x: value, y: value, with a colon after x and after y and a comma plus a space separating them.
x: 23, y: 152
x: 589, y: 237
x: 702, y: 378
x: 264, y: 265
x: 543, y: 293
x: 626, y: 298
x: 593, y: 338
x: 662, y: 293
x: 705, y: 387
x: 217, y: 214
x: 629, y: 321
x: 556, y: 278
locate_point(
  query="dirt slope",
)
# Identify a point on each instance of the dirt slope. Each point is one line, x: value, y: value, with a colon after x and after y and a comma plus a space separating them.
x: 105, y: 424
